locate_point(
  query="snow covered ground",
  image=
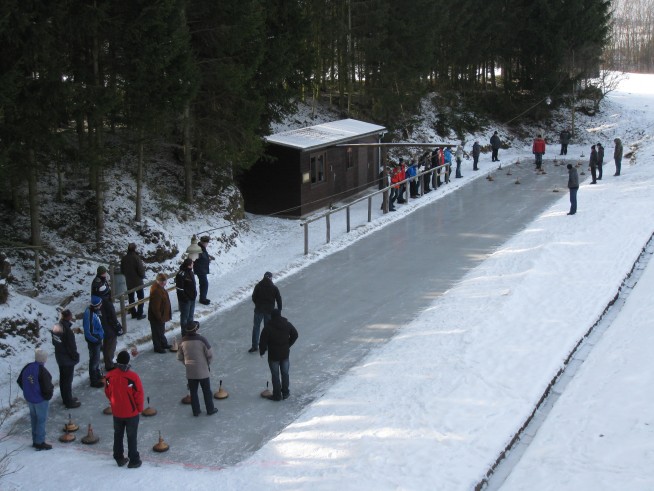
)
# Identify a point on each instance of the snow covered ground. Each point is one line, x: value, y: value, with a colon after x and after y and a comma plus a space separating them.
x: 435, y: 407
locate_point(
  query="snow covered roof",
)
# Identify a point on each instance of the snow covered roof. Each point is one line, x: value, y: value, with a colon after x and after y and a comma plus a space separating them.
x: 325, y: 134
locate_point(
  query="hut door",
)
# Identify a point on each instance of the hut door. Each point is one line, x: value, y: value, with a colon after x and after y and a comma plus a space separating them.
x: 362, y: 165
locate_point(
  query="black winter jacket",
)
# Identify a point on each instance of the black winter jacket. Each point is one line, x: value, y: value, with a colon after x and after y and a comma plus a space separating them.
x: 277, y: 338
x: 131, y: 265
x: 185, y: 285
x: 201, y: 264
x: 65, y: 347
x: 264, y: 296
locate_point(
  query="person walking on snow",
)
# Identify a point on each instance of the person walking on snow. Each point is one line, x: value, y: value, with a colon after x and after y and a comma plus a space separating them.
x: 538, y: 149
x: 201, y: 270
x: 573, y: 186
x: 36, y: 383
x: 264, y: 296
x: 277, y: 338
x: 125, y: 393
x: 131, y: 265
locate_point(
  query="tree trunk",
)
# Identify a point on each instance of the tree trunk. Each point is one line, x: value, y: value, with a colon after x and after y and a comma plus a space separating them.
x: 188, y: 161
x: 35, y: 214
x: 139, y: 177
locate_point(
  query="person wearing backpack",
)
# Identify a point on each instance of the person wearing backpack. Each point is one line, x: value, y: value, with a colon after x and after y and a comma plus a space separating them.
x: 186, y: 293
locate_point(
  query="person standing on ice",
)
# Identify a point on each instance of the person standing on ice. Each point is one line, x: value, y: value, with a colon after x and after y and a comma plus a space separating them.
x: 538, y: 149
x: 65, y: 348
x: 159, y: 312
x: 264, y: 296
x: 94, y: 334
x: 564, y: 138
x: 131, y: 265
x: 125, y: 393
x: 196, y: 354
x: 617, y: 155
x: 36, y: 383
x: 201, y: 269
x: 495, y: 146
x: 277, y: 338
x: 573, y: 186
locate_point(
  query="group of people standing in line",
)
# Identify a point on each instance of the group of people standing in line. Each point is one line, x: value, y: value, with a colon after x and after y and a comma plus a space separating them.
x: 123, y: 386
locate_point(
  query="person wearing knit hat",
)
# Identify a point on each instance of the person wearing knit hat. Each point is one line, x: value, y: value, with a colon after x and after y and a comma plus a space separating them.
x: 125, y: 393
x: 65, y: 347
x: 201, y: 269
x: 94, y: 334
x: 196, y: 354
x: 186, y: 292
x: 36, y: 383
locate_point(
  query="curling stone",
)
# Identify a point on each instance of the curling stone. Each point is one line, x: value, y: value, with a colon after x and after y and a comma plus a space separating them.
x: 67, y: 437
x: 70, y: 426
x: 107, y: 410
x: 222, y: 393
x: 266, y: 393
x: 90, y: 437
x: 508, y: 173
x: 149, y: 411
x: 174, y: 347
x: 186, y: 399
x: 517, y: 181
x: 555, y: 190
x: 134, y: 351
x: 160, y: 446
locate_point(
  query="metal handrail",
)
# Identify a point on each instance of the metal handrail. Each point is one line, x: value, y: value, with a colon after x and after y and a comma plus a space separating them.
x: 368, y: 197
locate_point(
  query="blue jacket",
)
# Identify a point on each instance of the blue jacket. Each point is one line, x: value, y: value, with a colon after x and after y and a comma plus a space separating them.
x: 93, y: 331
x: 36, y: 382
x: 448, y: 156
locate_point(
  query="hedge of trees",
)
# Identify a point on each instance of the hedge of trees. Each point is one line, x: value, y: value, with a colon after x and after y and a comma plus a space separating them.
x: 212, y: 75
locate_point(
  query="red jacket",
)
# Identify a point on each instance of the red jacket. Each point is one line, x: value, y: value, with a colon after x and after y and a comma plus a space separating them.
x: 539, y: 146
x: 125, y: 392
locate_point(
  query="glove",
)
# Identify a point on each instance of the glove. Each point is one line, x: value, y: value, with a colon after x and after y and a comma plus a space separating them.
x: 119, y: 329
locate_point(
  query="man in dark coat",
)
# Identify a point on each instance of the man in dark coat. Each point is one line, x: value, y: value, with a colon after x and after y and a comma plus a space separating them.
x: 67, y: 357
x: 573, y: 186
x: 564, y: 138
x: 133, y: 268
x: 277, y: 338
x: 264, y: 296
x: 36, y: 382
x: 495, y: 144
x: 593, y: 164
x: 186, y: 292
x: 159, y: 312
x: 110, y: 324
x: 201, y: 270
x: 476, y: 151
x: 617, y: 155
x: 600, y: 160
x: 125, y: 393
x: 94, y: 333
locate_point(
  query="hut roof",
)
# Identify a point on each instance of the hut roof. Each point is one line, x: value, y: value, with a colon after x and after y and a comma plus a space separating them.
x: 326, y: 134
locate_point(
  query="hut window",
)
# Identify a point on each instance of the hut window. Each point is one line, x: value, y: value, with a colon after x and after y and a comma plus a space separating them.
x: 349, y: 159
x: 317, y: 168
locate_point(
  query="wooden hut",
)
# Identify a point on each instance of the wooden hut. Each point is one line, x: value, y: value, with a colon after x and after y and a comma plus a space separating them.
x: 309, y: 168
